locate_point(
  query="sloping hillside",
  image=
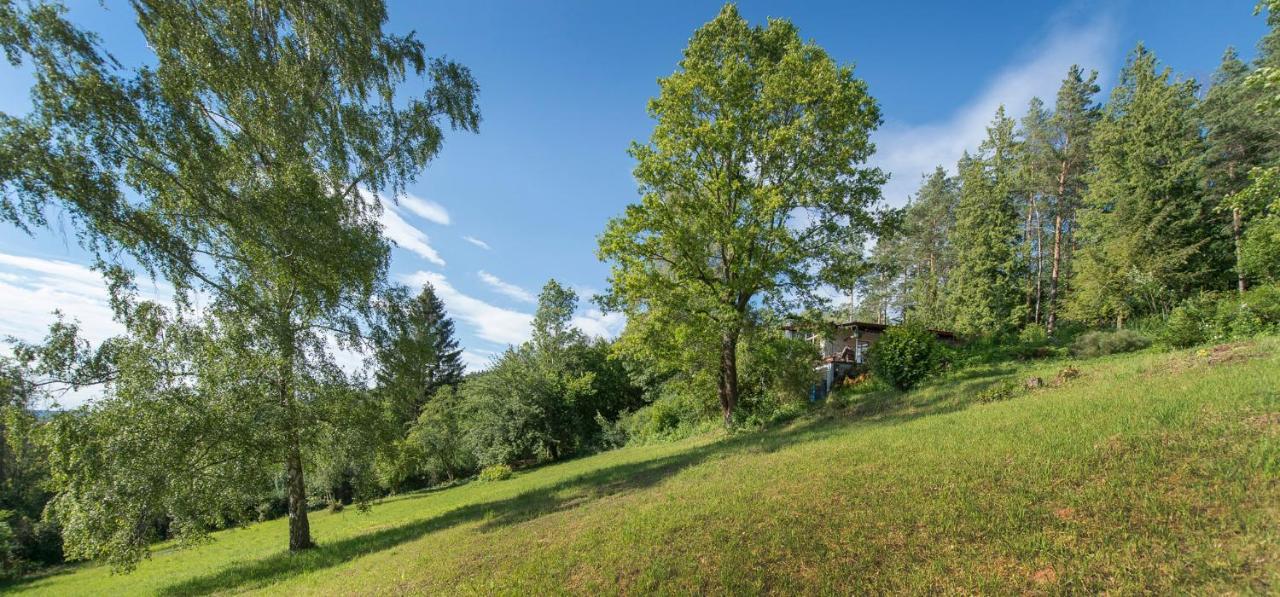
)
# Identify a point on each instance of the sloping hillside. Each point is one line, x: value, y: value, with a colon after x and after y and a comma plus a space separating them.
x: 1144, y: 473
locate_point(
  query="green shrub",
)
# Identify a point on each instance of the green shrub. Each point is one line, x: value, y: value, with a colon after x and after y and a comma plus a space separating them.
x: 1034, y: 335
x: 1223, y: 316
x: 996, y: 392
x: 904, y: 356
x: 1093, y: 344
x: 495, y: 472
x: 1260, y: 253
x: 1185, y: 327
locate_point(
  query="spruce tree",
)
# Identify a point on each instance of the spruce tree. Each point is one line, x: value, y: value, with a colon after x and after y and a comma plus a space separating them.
x: 1238, y: 139
x: 1151, y: 237
x: 417, y: 352
x: 983, y: 292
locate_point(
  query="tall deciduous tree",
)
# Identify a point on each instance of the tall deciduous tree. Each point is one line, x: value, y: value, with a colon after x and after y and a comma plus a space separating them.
x: 754, y: 169
x: 1151, y: 234
x: 237, y: 162
x: 983, y: 290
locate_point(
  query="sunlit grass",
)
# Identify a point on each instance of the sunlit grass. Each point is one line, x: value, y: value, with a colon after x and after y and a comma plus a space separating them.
x: 1147, y: 473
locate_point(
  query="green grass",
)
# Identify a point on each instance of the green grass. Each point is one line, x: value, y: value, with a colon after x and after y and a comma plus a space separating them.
x: 1148, y: 473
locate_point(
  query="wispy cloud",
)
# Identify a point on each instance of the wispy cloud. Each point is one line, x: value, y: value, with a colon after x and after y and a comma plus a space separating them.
x: 406, y: 235
x: 489, y: 322
x: 426, y: 209
x: 908, y: 151
x: 477, y: 242
x: 32, y: 287
x: 506, y: 288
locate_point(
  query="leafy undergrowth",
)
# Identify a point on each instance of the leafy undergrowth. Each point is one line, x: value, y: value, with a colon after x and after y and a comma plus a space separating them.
x: 1143, y: 473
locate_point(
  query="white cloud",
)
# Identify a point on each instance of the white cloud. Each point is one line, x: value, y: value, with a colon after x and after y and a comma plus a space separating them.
x: 426, y: 209
x: 406, y: 235
x: 490, y: 322
x: 478, y: 360
x: 594, y: 322
x: 506, y: 288
x: 477, y: 242
x: 31, y: 288
x: 909, y: 150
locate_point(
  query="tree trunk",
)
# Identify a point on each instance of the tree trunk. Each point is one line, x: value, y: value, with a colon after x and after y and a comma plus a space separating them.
x: 728, y: 375
x: 1236, y: 228
x: 299, y: 525
x: 1030, y: 245
x: 1039, y: 263
x: 1055, y: 268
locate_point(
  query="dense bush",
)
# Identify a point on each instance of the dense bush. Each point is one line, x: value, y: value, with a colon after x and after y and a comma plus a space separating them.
x: 1260, y: 254
x: 1094, y: 344
x: 1033, y: 335
x: 1218, y: 317
x: 495, y: 472
x: 905, y: 355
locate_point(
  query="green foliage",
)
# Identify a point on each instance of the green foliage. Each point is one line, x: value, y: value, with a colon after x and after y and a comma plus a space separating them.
x: 416, y: 350
x: 1187, y: 325
x: 1221, y: 317
x: 1149, y: 237
x: 1094, y: 344
x: 983, y: 291
x: 244, y: 161
x: 495, y: 472
x: 1260, y: 251
x: 754, y: 172
x: 1033, y: 334
x: 920, y: 250
x: 904, y: 355
x: 998, y: 391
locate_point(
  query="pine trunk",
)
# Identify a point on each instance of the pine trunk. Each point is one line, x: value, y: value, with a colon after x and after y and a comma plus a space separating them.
x: 1030, y: 247
x: 1039, y: 262
x: 1056, y: 267
x: 1236, y: 228
x: 728, y: 375
x: 1054, y: 270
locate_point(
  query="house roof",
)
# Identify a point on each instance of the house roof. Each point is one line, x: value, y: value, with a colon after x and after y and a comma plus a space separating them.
x: 873, y: 327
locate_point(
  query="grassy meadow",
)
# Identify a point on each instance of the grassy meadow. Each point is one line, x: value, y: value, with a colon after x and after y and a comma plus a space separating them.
x: 1151, y: 472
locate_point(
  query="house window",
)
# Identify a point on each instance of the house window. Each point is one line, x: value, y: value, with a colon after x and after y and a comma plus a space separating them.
x: 860, y: 353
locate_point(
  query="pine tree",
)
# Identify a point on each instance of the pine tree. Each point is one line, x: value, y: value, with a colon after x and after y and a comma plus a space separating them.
x: 1151, y: 238
x: 983, y: 291
x: 1074, y: 117
x: 924, y: 250
x: 1037, y: 186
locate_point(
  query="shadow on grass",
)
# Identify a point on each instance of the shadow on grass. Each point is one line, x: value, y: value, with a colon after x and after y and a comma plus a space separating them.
x: 875, y: 409
x: 493, y: 515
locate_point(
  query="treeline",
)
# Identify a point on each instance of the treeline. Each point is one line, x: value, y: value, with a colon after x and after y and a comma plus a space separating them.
x: 1097, y: 213
x: 550, y: 398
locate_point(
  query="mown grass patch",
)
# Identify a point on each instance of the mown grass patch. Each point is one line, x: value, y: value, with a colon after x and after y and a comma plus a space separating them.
x: 1141, y: 473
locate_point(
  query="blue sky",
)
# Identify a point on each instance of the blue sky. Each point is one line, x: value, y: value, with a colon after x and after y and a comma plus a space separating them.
x: 563, y: 93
